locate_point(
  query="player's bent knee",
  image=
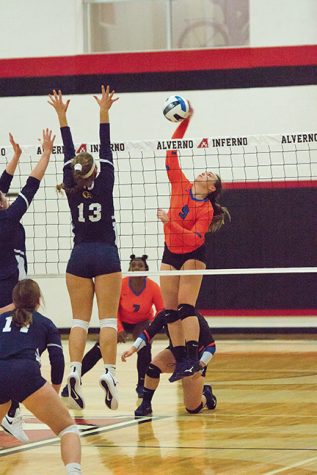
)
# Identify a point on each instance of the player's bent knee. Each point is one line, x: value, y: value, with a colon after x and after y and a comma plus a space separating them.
x: 72, y: 429
x: 77, y: 323
x: 153, y: 371
x: 109, y: 323
x: 185, y: 310
x: 171, y: 316
x: 195, y: 411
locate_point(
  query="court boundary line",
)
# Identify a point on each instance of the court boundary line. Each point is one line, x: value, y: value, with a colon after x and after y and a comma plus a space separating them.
x: 82, y: 434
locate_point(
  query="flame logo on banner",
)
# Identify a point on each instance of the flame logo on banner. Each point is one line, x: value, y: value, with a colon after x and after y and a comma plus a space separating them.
x: 204, y: 143
x: 82, y: 148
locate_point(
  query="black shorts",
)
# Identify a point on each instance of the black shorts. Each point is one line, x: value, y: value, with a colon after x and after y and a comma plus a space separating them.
x: 6, y: 287
x: 178, y: 260
x: 89, y: 259
x: 19, y: 378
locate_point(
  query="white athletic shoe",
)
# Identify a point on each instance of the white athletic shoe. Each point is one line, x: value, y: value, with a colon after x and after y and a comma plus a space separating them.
x: 13, y: 425
x: 109, y: 384
x: 75, y: 396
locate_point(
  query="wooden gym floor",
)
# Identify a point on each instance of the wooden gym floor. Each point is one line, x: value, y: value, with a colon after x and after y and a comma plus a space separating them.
x: 265, y: 421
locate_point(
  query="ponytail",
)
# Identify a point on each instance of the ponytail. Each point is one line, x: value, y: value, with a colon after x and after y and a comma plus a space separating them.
x: 84, y: 172
x: 220, y: 212
x: 26, y: 297
x: 22, y: 317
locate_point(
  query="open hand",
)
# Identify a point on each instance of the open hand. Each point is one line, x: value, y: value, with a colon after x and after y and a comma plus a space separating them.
x: 107, y: 99
x: 47, y: 141
x: 56, y: 101
x: 16, y: 147
x: 127, y: 354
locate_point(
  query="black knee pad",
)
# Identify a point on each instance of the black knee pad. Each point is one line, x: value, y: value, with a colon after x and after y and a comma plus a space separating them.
x: 195, y: 411
x: 153, y: 371
x: 171, y: 316
x: 185, y: 310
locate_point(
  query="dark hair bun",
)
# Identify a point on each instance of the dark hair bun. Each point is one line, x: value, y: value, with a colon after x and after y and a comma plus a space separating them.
x: 132, y: 256
x: 144, y: 257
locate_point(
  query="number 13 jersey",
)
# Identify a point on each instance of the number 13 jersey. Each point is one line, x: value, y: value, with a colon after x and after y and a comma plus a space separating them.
x: 91, y: 208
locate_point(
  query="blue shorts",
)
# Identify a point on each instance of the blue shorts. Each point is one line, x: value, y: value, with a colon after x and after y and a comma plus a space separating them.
x: 19, y: 378
x: 178, y: 260
x: 89, y: 259
x: 6, y: 287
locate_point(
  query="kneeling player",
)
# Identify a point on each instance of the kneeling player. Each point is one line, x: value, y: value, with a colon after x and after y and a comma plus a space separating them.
x: 197, y: 395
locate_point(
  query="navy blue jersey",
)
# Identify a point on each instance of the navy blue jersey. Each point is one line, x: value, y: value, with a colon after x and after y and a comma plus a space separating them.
x: 20, y: 252
x: 10, y: 224
x: 30, y: 342
x: 5, y: 182
x: 19, y: 247
x: 159, y: 324
x: 92, y: 209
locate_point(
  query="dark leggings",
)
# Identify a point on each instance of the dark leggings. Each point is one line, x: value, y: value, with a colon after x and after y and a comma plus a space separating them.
x: 144, y: 355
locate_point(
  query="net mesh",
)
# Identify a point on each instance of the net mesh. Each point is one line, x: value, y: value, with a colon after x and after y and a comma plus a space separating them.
x: 142, y: 186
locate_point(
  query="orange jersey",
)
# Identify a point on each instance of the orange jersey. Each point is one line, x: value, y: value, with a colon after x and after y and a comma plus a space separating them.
x: 189, y: 217
x: 136, y: 308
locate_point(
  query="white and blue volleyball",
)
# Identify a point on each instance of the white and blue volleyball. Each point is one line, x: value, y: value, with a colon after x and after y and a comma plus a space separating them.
x: 176, y: 108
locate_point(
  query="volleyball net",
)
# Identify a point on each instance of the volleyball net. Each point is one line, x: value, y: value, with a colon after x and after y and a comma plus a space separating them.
x: 262, y: 175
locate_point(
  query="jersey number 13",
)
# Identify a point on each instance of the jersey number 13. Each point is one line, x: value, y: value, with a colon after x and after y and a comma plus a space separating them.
x: 91, y: 212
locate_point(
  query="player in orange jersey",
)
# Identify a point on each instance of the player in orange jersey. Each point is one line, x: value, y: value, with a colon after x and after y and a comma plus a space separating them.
x: 194, y: 211
x: 138, y: 296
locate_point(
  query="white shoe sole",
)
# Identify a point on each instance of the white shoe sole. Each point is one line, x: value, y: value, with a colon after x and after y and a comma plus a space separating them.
x: 109, y: 385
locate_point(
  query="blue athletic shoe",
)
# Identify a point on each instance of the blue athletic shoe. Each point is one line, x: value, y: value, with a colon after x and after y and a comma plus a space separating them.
x: 139, y: 390
x: 184, y: 369
x: 144, y: 409
x: 211, y: 400
x: 75, y: 399
x: 64, y: 392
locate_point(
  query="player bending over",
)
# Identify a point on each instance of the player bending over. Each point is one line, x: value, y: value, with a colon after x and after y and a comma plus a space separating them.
x: 24, y: 335
x: 197, y: 395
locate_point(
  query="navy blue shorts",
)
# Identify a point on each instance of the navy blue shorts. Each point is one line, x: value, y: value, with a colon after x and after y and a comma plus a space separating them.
x: 19, y: 378
x: 6, y: 288
x: 178, y: 260
x: 89, y: 259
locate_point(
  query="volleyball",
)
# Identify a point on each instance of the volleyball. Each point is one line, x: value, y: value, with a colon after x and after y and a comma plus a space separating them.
x: 176, y: 108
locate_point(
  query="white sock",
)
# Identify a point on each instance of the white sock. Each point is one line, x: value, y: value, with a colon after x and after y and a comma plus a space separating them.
x: 73, y: 469
x: 111, y: 368
x: 75, y: 367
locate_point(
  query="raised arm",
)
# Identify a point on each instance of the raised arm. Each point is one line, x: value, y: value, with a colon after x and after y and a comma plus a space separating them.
x: 61, y: 106
x: 105, y: 153
x: 47, y: 147
x: 21, y: 204
x: 174, y: 171
x: 7, y: 175
x: 105, y: 102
